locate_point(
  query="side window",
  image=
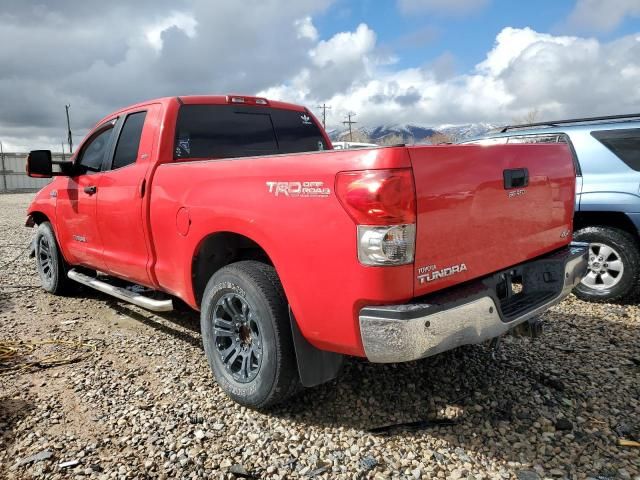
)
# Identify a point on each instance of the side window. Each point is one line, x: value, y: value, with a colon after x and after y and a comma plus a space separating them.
x: 93, y: 152
x: 129, y: 141
x: 625, y: 144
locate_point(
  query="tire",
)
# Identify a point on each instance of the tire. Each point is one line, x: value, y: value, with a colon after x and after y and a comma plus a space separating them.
x: 609, y: 246
x: 51, y: 267
x: 246, y: 333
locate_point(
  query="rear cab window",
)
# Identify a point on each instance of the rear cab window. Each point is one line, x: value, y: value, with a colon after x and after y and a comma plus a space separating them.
x: 623, y: 143
x: 228, y: 131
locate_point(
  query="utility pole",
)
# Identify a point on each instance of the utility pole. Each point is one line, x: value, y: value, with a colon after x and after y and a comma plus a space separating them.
x: 324, y: 108
x: 350, y: 122
x: 69, y: 137
x: 4, y: 173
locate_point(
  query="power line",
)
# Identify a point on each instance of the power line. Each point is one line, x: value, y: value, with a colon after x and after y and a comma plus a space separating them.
x: 350, y: 122
x: 324, y: 108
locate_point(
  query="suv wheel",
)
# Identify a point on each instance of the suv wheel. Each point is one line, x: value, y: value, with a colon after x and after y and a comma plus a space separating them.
x: 246, y: 333
x: 614, y: 265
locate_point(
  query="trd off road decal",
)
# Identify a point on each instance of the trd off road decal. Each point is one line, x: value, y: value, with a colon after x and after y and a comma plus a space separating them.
x: 431, y: 272
x: 298, y: 189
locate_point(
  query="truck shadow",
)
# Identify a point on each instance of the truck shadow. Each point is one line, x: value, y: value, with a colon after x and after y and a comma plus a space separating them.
x: 12, y: 410
x: 574, y: 385
x: 181, y: 324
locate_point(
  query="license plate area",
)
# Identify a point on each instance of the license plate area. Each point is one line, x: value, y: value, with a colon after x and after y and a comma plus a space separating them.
x: 524, y: 288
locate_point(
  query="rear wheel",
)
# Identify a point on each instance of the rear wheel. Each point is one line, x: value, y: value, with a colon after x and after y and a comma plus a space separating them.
x: 614, y: 265
x: 247, y: 335
x: 51, y: 267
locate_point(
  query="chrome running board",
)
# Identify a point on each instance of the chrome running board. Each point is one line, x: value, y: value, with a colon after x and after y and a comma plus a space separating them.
x: 121, y: 293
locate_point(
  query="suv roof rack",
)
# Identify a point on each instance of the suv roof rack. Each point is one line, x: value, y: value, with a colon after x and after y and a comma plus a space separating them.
x: 554, y: 123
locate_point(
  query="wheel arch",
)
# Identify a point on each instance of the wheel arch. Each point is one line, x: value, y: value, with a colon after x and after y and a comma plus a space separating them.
x: 619, y: 220
x: 37, y: 217
x: 219, y: 249
x: 34, y: 219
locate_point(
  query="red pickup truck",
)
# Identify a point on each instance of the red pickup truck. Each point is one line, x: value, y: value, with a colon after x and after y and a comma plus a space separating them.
x: 297, y: 255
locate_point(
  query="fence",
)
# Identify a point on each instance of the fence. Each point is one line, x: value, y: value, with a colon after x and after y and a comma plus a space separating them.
x: 13, y: 175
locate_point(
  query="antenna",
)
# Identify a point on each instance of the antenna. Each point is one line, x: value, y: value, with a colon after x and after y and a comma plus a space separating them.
x: 324, y: 108
x: 69, y: 136
x: 350, y: 122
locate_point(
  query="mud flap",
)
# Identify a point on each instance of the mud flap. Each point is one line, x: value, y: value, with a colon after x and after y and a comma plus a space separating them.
x: 315, y: 366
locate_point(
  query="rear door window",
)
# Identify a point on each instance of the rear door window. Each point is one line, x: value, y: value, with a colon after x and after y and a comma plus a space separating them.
x: 129, y: 140
x: 625, y: 144
x: 227, y: 131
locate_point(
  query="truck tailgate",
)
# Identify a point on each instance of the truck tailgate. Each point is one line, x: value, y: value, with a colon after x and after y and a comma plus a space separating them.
x: 474, y: 217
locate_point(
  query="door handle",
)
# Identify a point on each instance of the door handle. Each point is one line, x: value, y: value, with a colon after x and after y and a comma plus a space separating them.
x: 515, y: 178
x: 90, y: 190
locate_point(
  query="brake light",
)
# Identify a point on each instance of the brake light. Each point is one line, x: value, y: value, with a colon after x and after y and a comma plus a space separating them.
x: 383, y: 205
x: 246, y: 100
x: 378, y: 197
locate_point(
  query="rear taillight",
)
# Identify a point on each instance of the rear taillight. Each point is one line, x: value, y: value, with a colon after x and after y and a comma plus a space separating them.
x: 383, y: 205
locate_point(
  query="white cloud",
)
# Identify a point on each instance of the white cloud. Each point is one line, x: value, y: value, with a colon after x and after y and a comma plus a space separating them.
x: 182, y: 21
x: 344, y: 47
x: 510, y: 45
x: 449, y: 7
x: 558, y: 75
x: 306, y: 29
x: 602, y: 15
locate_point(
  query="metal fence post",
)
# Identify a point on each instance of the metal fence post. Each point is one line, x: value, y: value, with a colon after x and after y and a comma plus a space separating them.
x: 4, y: 170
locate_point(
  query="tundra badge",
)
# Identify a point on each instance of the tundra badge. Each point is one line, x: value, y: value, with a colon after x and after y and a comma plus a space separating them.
x: 430, y: 272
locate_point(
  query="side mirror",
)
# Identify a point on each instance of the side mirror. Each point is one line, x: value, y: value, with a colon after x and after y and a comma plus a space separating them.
x: 39, y: 164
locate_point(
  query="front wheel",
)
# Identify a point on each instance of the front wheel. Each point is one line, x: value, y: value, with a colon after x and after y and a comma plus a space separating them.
x: 247, y: 335
x: 51, y: 267
x: 614, y: 265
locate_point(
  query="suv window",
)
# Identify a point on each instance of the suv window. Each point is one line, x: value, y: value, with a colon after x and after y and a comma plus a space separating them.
x: 93, y: 152
x: 226, y: 131
x: 129, y: 141
x: 625, y: 144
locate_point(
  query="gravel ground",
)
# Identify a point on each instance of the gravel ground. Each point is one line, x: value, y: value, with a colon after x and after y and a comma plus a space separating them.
x: 144, y: 405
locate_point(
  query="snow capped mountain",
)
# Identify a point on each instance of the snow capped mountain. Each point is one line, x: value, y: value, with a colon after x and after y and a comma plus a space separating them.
x: 464, y: 132
x: 410, y: 133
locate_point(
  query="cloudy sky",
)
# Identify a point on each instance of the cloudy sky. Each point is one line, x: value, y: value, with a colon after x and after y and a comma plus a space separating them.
x: 391, y: 61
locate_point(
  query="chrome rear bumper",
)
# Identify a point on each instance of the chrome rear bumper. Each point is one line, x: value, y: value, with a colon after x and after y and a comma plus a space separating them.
x: 471, y: 313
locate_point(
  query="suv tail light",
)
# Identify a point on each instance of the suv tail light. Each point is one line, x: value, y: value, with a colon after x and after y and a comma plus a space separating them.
x: 383, y: 205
